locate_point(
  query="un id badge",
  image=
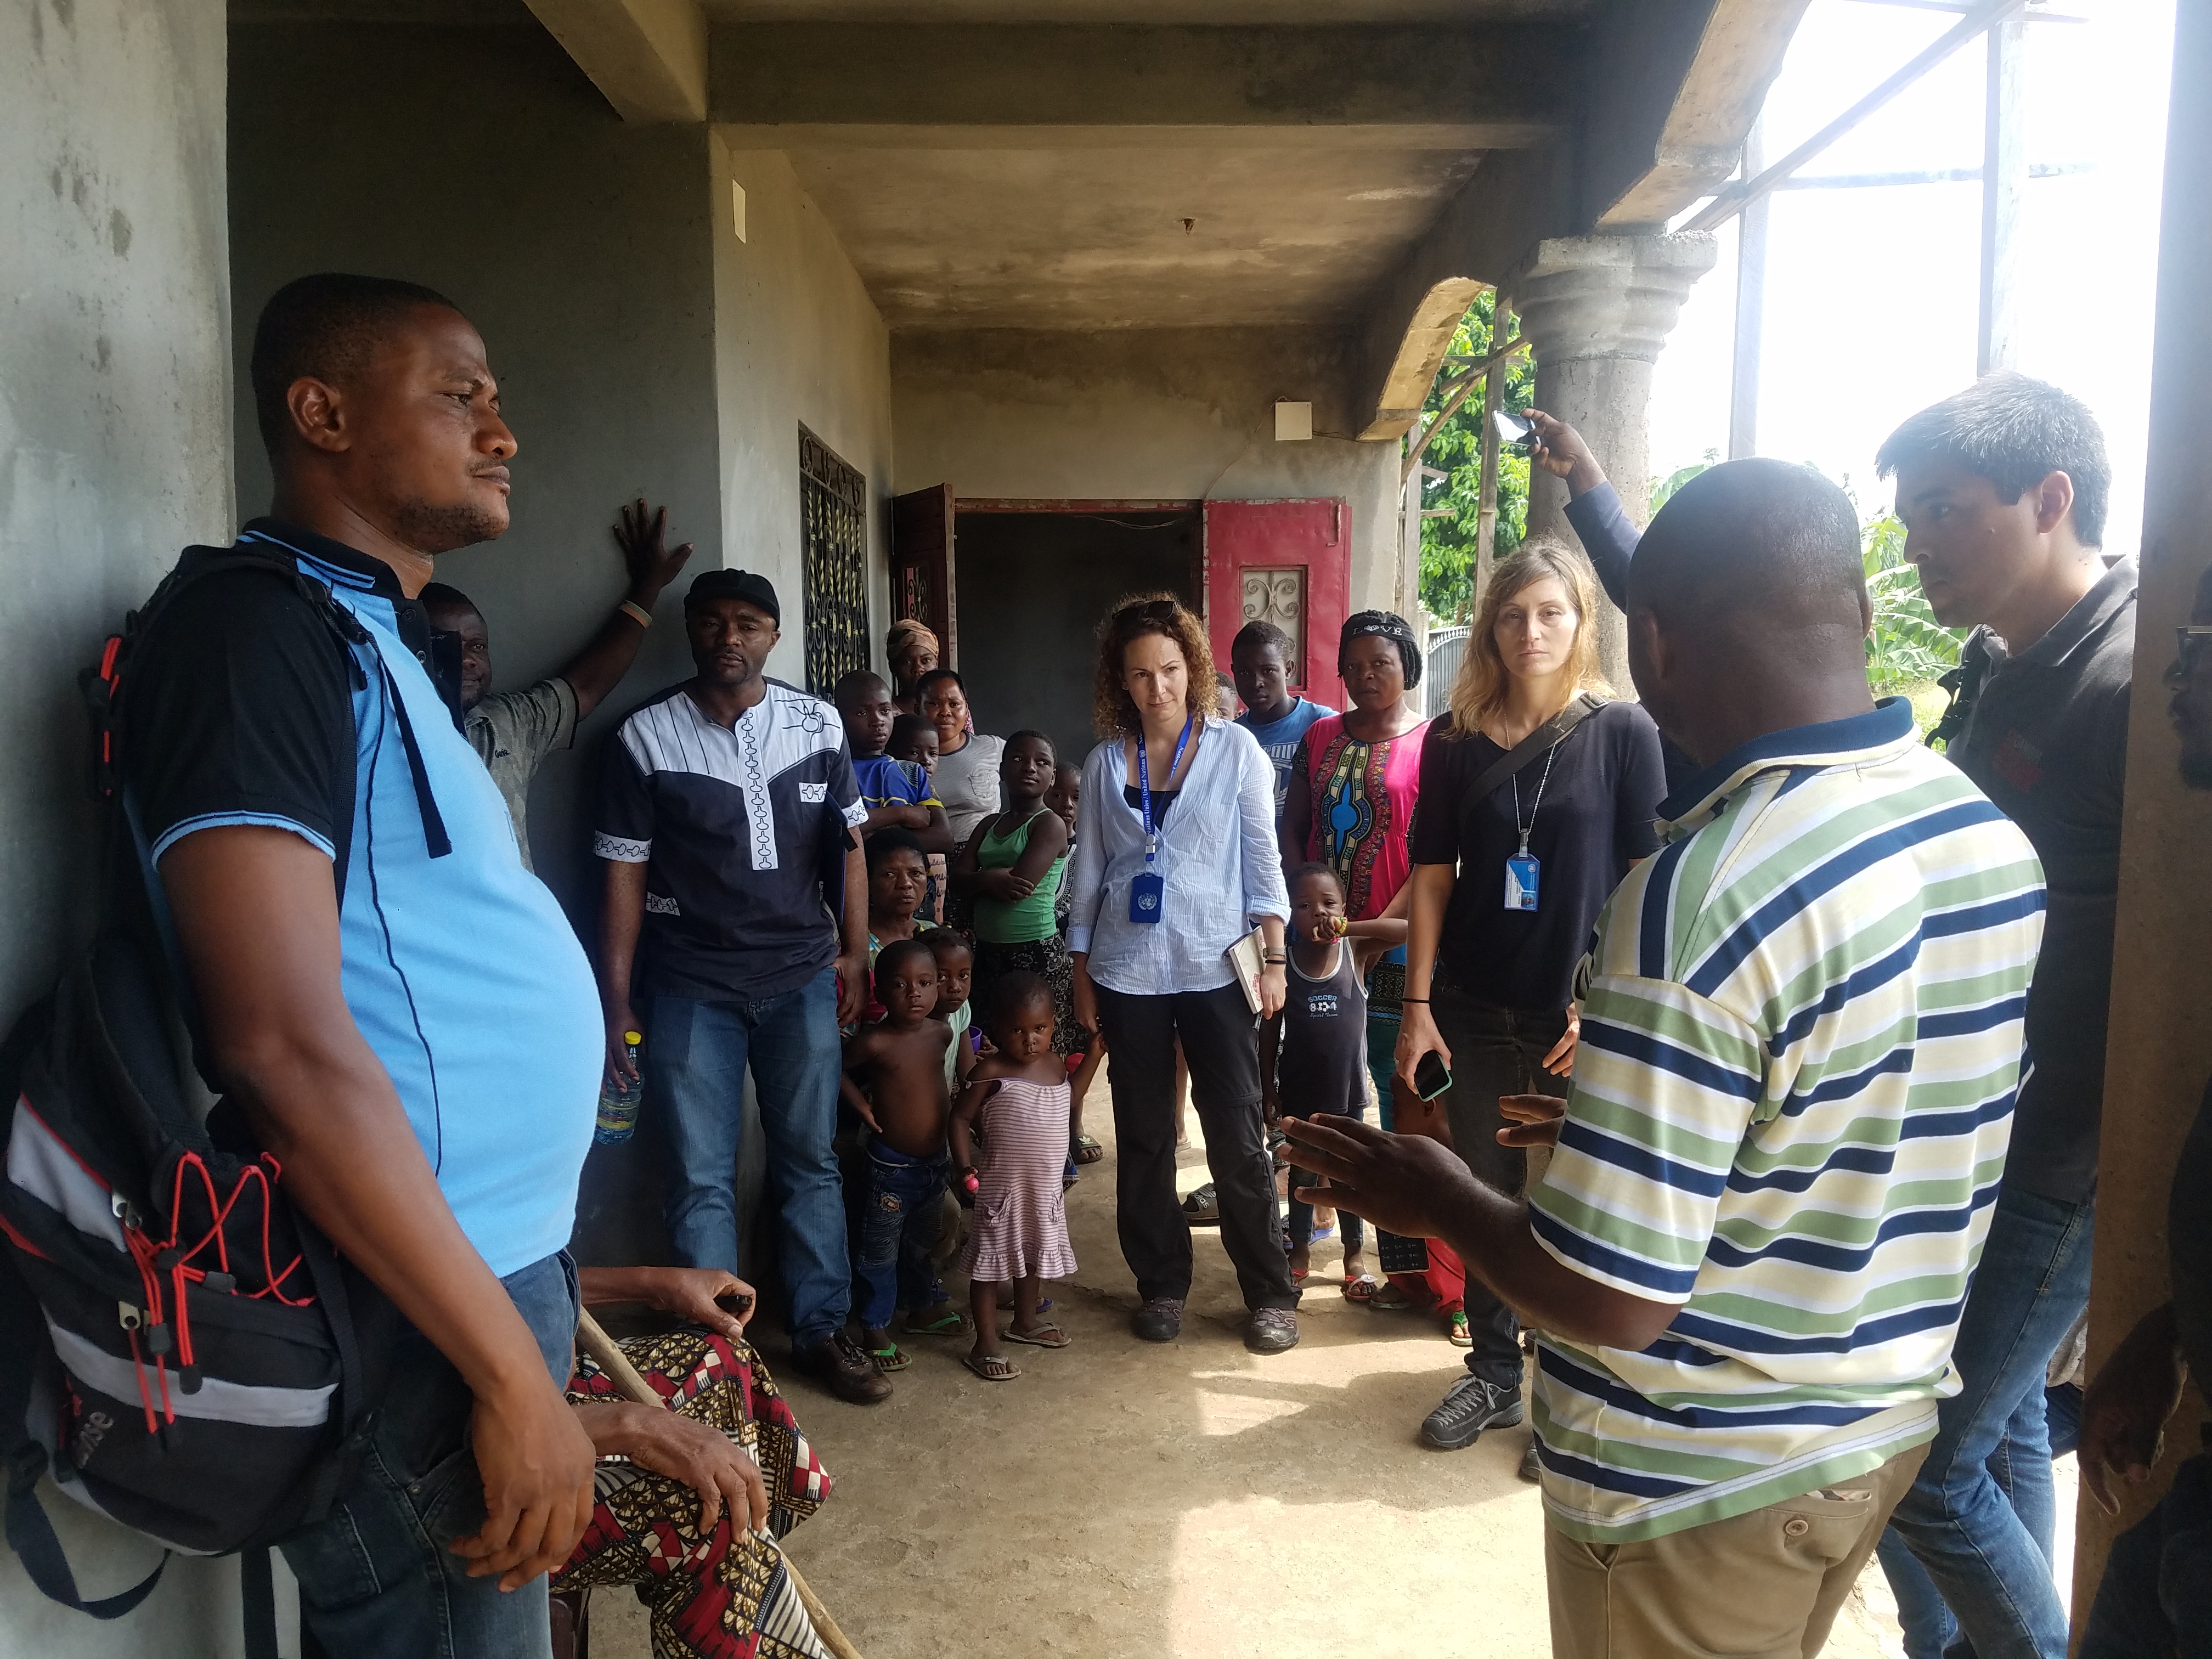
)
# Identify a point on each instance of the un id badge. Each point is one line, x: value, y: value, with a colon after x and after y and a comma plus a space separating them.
x: 1146, y: 890
x: 1521, y: 877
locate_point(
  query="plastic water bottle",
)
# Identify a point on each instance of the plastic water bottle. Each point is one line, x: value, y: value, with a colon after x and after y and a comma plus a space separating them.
x: 620, y: 1097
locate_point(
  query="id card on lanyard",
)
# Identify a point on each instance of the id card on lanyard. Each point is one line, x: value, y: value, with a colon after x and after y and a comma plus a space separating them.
x: 1524, y: 873
x: 1148, y: 888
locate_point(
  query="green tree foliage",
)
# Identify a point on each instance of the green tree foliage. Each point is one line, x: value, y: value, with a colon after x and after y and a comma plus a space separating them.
x: 1908, y: 649
x: 1447, y: 544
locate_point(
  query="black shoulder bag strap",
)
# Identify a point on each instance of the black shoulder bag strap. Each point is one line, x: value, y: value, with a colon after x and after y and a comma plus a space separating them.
x: 1551, y: 731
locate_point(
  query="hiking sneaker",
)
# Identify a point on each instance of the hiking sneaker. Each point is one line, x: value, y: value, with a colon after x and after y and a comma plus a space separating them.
x: 1470, y: 1405
x: 1160, y: 1320
x: 1271, y: 1330
x: 848, y: 1368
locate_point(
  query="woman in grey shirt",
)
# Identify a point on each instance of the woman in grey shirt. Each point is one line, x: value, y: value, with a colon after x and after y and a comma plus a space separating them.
x: 967, y: 775
x: 1175, y: 860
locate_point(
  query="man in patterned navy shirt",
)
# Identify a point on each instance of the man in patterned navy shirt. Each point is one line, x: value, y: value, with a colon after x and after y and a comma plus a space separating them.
x: 727, y: 826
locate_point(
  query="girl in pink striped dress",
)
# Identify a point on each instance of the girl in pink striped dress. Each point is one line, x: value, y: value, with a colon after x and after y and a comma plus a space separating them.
x: 1016, y: 1103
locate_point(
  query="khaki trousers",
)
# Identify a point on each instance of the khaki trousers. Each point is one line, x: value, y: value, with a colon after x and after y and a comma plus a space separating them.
x: 1763, y: 1585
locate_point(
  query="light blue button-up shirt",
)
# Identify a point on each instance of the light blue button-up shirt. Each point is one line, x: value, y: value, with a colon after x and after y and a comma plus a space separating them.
x: 1217, y: 854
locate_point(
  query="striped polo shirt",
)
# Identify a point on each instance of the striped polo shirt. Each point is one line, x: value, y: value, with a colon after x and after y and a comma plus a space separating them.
x: 1792, y: 1103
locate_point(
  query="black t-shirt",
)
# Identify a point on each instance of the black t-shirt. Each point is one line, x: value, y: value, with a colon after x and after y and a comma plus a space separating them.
x: 1595, y: 818
x: 2047, y: 743
x: 253, y: 720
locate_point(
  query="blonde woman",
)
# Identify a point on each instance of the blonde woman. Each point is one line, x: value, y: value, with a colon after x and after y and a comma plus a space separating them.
x: 1174, y: 861
x: 1507, y: 884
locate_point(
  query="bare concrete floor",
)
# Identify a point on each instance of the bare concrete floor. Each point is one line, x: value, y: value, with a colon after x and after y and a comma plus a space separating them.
x: 1189, y: 1500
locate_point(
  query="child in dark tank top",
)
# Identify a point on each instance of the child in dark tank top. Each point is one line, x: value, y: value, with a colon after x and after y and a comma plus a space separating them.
x: 1313, y: 1059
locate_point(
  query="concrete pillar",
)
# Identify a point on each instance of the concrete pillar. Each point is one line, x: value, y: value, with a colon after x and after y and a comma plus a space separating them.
x: 114, y: 453
x: 2160, y: 1051
x: 1598, y: 309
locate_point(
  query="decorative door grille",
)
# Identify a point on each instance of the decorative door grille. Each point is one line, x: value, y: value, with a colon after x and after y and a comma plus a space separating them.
x: 834, y: 526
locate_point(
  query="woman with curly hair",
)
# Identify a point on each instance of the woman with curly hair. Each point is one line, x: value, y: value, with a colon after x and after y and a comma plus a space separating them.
x: 1174, y: 861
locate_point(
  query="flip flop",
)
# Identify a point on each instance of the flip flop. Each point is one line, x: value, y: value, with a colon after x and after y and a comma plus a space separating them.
x: 943, y: 1321
x: 1037, y: 1337
x: 1006, y: 1304
x: 890, y: 1360
x: 1321, y: 1235
x: 1361, y: 1289
x: 1088, y: 1151
x: 1299, y: 1275
x: 1456, y: 1333
x: 992, y: 1367
x: 1391, y: 1299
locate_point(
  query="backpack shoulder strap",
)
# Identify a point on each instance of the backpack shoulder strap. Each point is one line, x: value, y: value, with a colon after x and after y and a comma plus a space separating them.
x: 1550, y: 732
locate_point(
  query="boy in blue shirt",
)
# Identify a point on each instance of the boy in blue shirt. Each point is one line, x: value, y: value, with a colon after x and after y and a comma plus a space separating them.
x: 1259, y: 662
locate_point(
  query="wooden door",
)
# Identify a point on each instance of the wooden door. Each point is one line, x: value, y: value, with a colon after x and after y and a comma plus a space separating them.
x: 1288, y: 562
x: 921, y: 566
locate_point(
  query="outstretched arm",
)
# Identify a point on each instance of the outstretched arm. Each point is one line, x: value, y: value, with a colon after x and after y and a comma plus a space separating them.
x: 599, y: 667
x: 1419, y: 1188
x: 258, y: 922
x: 1593, y: 508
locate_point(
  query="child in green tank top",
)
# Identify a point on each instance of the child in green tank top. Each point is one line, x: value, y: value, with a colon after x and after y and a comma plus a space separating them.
x: 1010, y: 869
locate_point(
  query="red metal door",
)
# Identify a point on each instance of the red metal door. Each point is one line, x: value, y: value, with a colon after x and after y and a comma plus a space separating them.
x: 921, y: 566
x: 1288, y: 562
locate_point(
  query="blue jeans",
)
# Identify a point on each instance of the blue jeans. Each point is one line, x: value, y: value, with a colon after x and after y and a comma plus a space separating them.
x: 1987, y: 1548
x: 377, y: 1576
x: 695, y: 1057
x: 899, y: 1224
x: 2155, y: 1601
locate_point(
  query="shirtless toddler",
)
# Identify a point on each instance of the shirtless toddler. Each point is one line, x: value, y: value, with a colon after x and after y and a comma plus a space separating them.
x: 894, y: 1080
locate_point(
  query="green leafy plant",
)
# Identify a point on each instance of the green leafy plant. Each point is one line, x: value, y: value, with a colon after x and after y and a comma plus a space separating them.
x: 1448, y: 544
x: 1908, y: 647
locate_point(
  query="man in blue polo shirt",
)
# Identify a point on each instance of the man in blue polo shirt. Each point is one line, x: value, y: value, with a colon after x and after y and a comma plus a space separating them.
x: 398, y: 1008
x: 727, y: 827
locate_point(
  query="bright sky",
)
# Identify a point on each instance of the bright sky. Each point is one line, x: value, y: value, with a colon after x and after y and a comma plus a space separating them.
x: 1871, y: 293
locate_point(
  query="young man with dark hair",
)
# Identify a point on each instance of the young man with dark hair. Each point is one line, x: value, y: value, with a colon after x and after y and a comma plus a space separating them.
x: 1798, y: 1057
x: 400, y: 1013
x: 728, y: 826
x: 1260, y: 658
x: 2003, y: 490
x: 514, y: 731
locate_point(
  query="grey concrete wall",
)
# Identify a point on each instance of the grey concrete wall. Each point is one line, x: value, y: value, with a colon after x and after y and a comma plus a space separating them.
x: 796, y: 339
x: 114, y: 453
x: 481, y: 161
x: 2161, y: 1045
x: 1142, y: 415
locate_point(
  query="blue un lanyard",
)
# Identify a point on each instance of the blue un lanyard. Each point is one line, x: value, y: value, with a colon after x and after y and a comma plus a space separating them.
x: 1144, y: 785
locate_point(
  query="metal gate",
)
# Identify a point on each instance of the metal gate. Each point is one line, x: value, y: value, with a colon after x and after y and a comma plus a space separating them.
x: 833, y: 515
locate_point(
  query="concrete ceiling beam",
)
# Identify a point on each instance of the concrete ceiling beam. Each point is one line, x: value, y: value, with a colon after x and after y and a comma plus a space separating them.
x: 1685, y: 79
x: 647, y: 57
x: 803, y: 85
x: 1672, y: 88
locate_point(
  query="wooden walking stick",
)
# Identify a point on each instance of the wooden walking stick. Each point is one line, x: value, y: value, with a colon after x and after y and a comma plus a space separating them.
x: 608, y: 1356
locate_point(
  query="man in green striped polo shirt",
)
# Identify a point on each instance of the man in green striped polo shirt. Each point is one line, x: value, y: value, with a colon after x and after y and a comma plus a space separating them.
x: 1790, y: 1108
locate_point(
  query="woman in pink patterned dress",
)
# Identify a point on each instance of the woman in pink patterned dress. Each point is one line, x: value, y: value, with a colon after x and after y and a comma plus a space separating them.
x: 1354, y: 779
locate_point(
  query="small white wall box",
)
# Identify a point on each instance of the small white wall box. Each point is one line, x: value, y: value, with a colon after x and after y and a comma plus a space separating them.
x: 1293, y: 423
x: 738, y: 207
